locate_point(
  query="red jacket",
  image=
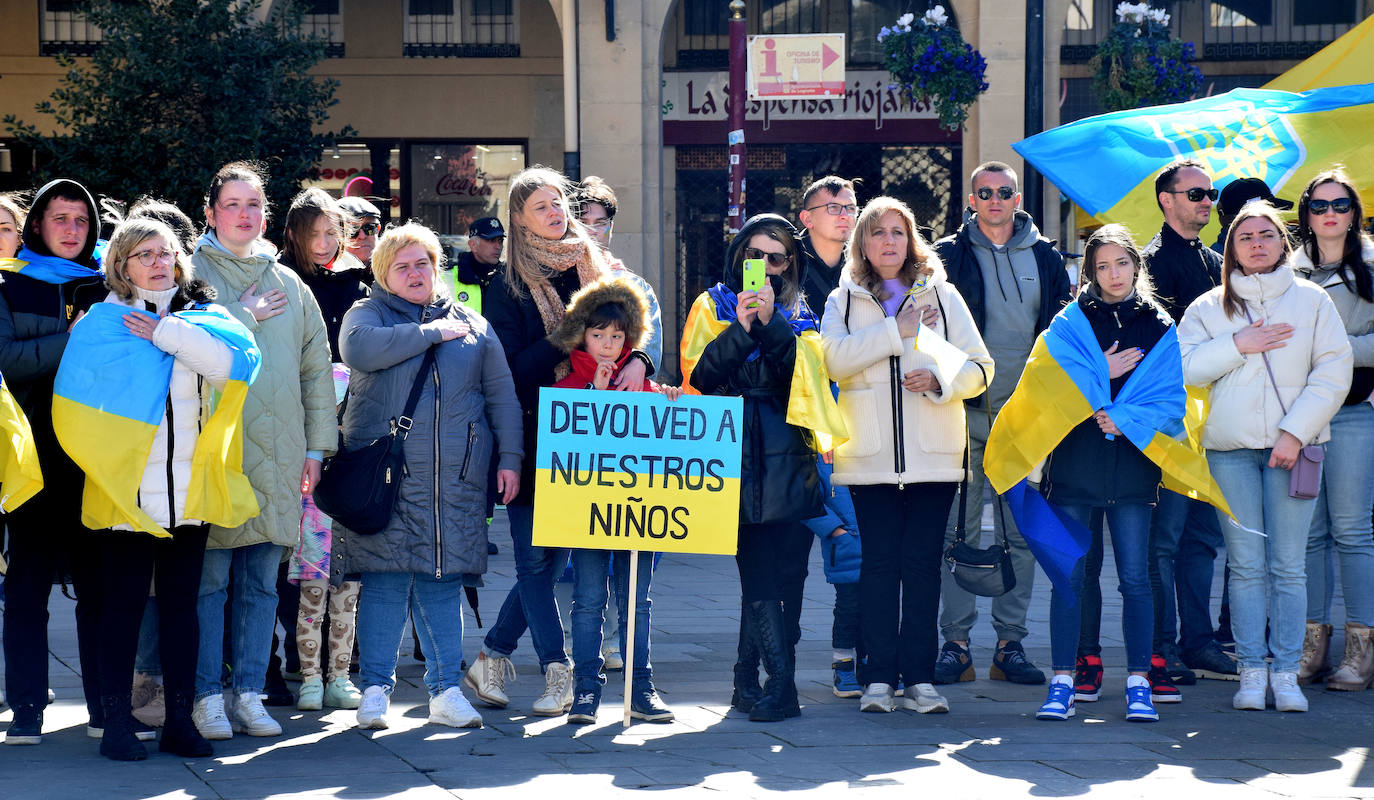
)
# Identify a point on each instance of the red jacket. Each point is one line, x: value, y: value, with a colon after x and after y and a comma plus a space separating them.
x: 584, y: 369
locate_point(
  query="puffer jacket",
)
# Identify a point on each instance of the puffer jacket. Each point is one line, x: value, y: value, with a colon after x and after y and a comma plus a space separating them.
x: 1356, y: 313
x: 290, y: 407
x: 439, y: 523
x: 1312, y: 371
x: 199, y: 359
x: 897, y: 436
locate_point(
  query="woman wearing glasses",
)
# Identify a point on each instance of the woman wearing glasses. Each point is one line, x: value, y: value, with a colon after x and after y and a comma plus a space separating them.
x: 763, y: 345
x: 1336, y: 255
x: 905, y: 456
x: 1273, y: 352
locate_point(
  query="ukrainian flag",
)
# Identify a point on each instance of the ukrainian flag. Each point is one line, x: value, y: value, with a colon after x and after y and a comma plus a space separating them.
x: 811, y: 405
x: 108, y: 399
x: 1107, y: 164
x: 50, y: 269
x: 20, y: 475
x: 1065, y: 382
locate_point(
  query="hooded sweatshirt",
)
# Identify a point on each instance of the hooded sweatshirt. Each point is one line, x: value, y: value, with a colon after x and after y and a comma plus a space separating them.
x: 1011, y: 298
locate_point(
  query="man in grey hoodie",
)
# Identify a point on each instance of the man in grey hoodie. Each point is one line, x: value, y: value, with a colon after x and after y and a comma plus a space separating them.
x: 1014, y: 282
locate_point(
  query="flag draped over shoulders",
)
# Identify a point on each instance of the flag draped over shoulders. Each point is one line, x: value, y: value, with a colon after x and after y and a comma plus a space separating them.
x: 811, y: 403
x: 50, y: 269
x: 20, y: 475
x: 109, y: 397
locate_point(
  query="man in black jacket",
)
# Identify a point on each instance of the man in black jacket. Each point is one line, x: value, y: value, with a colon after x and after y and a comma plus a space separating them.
x: 471, y: 273
x: 1184, y: 533
x: 1014, y: 282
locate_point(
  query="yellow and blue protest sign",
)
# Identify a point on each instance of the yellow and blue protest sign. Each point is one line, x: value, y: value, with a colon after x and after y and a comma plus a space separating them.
x: 636, y: 471
x: 1107, y: 164
x: 21, y: 477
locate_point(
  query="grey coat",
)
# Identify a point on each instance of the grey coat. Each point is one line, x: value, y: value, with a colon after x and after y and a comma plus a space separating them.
x: 438, y: 525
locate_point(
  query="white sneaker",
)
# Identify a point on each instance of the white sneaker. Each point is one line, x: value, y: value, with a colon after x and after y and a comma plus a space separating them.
x: 923, y: 699
x: 1288, y: 695
x: 248, y: 716
x: 372, y: 710
x: 210, y: 719
x: 1254, y: 682
x: 558, y: 691
x: 877, y: 697
x: 611, y: 658
x: 487, y: 678
x: 451, y: 708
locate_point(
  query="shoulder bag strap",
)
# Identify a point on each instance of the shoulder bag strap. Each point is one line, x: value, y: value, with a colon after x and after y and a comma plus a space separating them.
x: 404, y: 422
x: 1268, y: 369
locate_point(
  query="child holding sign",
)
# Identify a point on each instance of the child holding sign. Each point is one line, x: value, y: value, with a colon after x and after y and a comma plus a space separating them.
x: 605, y: 322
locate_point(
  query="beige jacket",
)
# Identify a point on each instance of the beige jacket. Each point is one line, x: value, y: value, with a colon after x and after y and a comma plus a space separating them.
x: 1312, y: 371
x: 897, y: 436
x: 1356, y: 313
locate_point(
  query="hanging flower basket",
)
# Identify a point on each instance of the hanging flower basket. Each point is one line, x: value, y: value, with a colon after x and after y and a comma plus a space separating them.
x: 930, y: 60
x: 1140, y: 64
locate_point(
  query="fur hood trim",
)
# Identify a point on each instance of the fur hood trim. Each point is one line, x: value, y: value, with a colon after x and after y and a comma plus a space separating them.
x: 589, y: 298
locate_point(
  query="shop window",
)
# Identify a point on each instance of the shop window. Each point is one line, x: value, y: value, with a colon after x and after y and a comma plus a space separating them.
x: 62, y: 30
x: 462, y: 28
x: 867, y: 17
x: 324, y: 19
x: 1238, y: 30
x: 452, y: 184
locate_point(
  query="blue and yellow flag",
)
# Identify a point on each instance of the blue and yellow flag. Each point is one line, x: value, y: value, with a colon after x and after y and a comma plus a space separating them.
x: 50, y: 269
x: 811, y: 404
x: 20, y: 475
x: 1065, y: 382
x: 1107, y: 164
x: 109, y: 398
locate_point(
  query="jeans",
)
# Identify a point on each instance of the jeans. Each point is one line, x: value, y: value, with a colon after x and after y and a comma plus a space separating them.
x: 1130, y: 530
x: 899, y: 583
x: 531, y: 602
x: 254, y: 613
x: 437, y: 608
x: 1184, y: 539
x: 590, y: 596
x: 1090, y: 596
x: 1267, y: 572
x: 1342, y: 516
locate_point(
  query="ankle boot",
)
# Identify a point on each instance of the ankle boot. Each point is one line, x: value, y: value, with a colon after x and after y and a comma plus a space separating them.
x: 179, y: 734
x: 747, y: 690
x: 770, y: 636
x: 119, y: 741
x: 1356, y: 672
x: 1316, y: 646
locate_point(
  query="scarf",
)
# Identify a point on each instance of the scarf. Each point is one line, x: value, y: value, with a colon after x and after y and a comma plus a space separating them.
x: 51, y: 269
x: 558, y: 255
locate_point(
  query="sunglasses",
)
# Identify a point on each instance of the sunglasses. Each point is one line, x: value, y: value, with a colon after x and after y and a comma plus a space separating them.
x: 366, y: 229
x: 1004, y: 192
x: 1196, y: 194
x: 1340, y: 205
x: 775, y: 259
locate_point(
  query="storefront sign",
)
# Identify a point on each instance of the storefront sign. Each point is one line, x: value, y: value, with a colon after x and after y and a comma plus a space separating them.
x: 796, y: 65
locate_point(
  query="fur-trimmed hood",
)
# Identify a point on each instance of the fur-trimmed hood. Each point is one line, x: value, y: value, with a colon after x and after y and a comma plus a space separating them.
x: 568, y: 336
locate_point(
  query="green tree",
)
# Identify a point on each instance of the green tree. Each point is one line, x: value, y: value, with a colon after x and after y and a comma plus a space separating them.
x: 177, y: 89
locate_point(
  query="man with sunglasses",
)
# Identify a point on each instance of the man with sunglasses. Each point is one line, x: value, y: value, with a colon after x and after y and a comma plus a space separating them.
x: 364, y: 226
x: 1014, y: 282
x: 1184, y: 533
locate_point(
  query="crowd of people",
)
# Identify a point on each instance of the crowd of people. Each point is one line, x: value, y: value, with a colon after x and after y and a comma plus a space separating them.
x: 185, y: 383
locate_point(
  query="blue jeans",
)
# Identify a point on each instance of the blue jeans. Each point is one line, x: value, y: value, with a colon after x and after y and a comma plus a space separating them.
x: 1267, y: 572
x: 1090, y: 596
x: 1130, y: 530
x: 531, y: 602
x: 437, y: 608
x: 1184, y: 539
x: 589, y: 608
x: 1342, y: 517
x: 253, y: 614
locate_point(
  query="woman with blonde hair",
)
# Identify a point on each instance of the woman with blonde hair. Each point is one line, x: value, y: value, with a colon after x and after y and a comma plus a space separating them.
x: 905, y: 457
x: 1273, y: 351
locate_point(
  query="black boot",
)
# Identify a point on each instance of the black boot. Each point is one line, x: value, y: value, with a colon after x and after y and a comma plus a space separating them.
x: 780, y: 692
x: 179, y: 734
x: 274, y: 685
x: 747, y: 689
x: 119, y: 742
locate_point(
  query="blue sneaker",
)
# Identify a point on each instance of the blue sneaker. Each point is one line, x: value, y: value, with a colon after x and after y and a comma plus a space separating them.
x: 1059, y: 702
x: 846, y: 683
x: 1139, y: 706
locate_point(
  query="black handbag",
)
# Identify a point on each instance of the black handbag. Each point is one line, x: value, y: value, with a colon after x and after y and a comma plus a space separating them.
x: 987, y: 572
x: 358, y: 487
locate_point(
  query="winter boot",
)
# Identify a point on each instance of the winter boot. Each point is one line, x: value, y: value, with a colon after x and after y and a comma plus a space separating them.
x: 747, y: 690
x: 119, y: 742
x: 1316, y: 645
x: 770, y: 636
x: 179, y: 734
x: 1356, y: 671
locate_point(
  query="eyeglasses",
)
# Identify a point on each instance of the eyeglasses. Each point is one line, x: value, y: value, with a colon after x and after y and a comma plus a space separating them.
x: 1196, y: 194
x: 836, y: 209
x: 150, y: 257
x: 1004, y: 192
x: 366, y: 229
x: 774, y: 259
x: 1340, y: 205
x: 599, y: 225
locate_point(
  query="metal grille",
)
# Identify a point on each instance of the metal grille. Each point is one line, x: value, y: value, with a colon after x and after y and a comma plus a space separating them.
x: 64, y: 31
x: 461, y: 29
x: 324, y: 19
x: 928, y: 180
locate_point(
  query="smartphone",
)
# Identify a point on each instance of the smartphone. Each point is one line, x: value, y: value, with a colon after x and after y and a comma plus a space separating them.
x: 754, y: 275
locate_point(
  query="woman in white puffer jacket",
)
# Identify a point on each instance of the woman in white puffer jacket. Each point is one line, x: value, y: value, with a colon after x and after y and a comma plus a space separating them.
x: 1274, y: 352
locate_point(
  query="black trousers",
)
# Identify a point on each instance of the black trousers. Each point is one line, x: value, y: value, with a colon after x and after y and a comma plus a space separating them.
x: 899, y: 580
x: 131, y: 563
x: 772, y: 562
x: 46, y: 542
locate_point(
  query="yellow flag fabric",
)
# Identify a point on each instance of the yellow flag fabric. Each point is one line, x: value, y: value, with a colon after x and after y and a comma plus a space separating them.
x: 1348, y: 60
x: 20, y: 475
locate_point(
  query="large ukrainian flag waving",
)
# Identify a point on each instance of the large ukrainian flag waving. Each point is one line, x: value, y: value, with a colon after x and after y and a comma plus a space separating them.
x: 1065, y: 382
x: 108, y: 399
x: 20, y: 475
